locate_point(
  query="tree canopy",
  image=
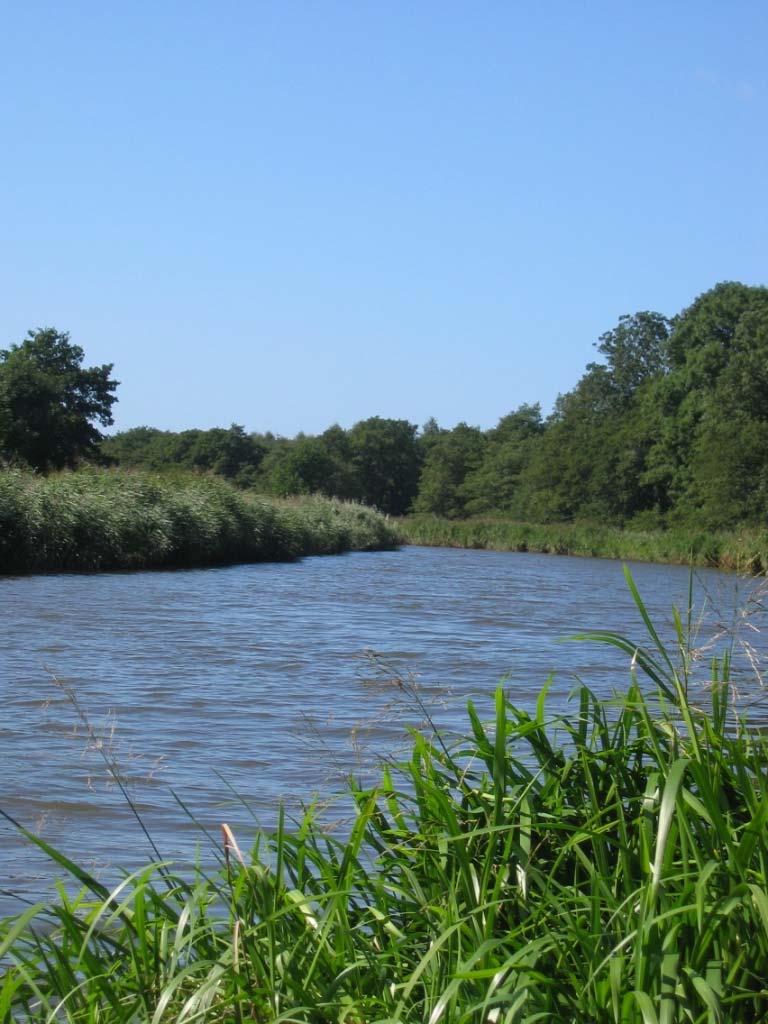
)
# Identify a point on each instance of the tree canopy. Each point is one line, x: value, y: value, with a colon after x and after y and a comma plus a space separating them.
x: 49, y: 401
x: 670, y: 426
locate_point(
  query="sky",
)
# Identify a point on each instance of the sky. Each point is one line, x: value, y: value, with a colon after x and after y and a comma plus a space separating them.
x: 287, y: 215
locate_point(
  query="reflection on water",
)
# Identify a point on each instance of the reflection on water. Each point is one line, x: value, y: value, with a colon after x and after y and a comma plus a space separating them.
x: 256, y: 678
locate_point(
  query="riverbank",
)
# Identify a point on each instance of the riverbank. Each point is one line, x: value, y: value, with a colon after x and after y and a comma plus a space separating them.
x: 606, y: 865
x: 99, y: 519
x: 744, y: 551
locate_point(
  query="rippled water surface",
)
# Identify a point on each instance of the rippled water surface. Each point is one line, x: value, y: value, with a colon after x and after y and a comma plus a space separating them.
x: 255, y: 677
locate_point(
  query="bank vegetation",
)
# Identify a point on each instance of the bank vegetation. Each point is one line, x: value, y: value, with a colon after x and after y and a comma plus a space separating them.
x: 95, y: 519
x: 666, y: 430
x: 744, y: 551
x: 664, y: 437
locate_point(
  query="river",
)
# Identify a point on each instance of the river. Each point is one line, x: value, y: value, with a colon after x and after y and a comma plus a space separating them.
x: 255, y: 679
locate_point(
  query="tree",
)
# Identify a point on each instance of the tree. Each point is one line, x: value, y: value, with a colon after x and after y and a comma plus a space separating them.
x: 451, y: 457
x: 342, y: 479
x: 302, y: 466
x: 387, y: 462
x: 430, y: 434
x: 729, y: 460
x: 703, y: 333
x: 230, y: 453
x: 636, y: 350
x: 716, y: 376
x: 494, y: 486
x: 589, y: 460
x: 49, y: 400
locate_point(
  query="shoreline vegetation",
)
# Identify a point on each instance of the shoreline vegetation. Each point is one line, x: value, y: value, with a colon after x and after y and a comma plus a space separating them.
x: 668, y: 430
x: 99, y: 519
x: 606, y: 865
x: 658, y: 453
x: 744, y: 551
x: 106, y: 519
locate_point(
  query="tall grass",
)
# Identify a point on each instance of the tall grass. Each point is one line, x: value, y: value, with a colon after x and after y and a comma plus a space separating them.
x: 741, y: 551
x: 609, y: 865
x: 112, y: 519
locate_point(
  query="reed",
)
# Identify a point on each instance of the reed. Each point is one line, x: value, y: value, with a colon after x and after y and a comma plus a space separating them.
x: 115, y: 519
x: 740, y: 551
x: 608, y: 865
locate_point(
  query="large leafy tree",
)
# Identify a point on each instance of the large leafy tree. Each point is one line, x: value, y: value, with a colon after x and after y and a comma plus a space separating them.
x: 387, y: 462
x: 570, y: 473
x: 729, y: 462
x: 636, y: 350
x: 451, y: 457
x: 303, y: 466
x: 709, y: 405
x: 342, y: 481
x: 703, y: 334
x: 495, y: 485
x: 49, y: 401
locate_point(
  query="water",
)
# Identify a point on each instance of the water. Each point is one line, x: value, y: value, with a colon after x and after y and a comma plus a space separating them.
x: 255, y: 678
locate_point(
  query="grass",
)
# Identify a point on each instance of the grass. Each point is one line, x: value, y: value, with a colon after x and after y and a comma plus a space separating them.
x: 740, y: 551
x: 607, y: 866
x: 115, y: 519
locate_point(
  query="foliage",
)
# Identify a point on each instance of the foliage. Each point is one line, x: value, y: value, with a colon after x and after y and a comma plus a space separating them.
x: 744, y: 550
x: 495, y: 484
x: 711, y: 344
x: 671, y: 427
x: 387, y: 463
x: 300, y: 468
x: 728, y: 461
x: 607, y: 866
x: 451, y: 458
x: 230, y: 453
x: 49, y: 401
x: 312, y: 465
x: 321, y: 526
x: 636, y: 350
x: 107, y: 519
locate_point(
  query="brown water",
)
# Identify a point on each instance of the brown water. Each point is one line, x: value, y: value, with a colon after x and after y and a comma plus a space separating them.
x: 254, y: 677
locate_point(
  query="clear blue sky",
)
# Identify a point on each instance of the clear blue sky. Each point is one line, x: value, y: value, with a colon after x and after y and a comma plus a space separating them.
x: 287, y: 215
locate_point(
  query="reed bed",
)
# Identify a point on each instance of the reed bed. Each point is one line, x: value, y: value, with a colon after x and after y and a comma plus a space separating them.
x: 115, y: 519
x: 607, y: 866
x: 743, y: 551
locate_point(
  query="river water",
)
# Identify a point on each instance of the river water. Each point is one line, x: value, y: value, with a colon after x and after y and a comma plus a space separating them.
x: 274, y: 680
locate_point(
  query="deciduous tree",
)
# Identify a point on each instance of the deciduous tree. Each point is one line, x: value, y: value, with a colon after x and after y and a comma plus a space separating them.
x: 49, y: 401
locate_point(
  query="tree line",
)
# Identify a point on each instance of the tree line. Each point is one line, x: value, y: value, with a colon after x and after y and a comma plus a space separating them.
x: 670, y: 425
